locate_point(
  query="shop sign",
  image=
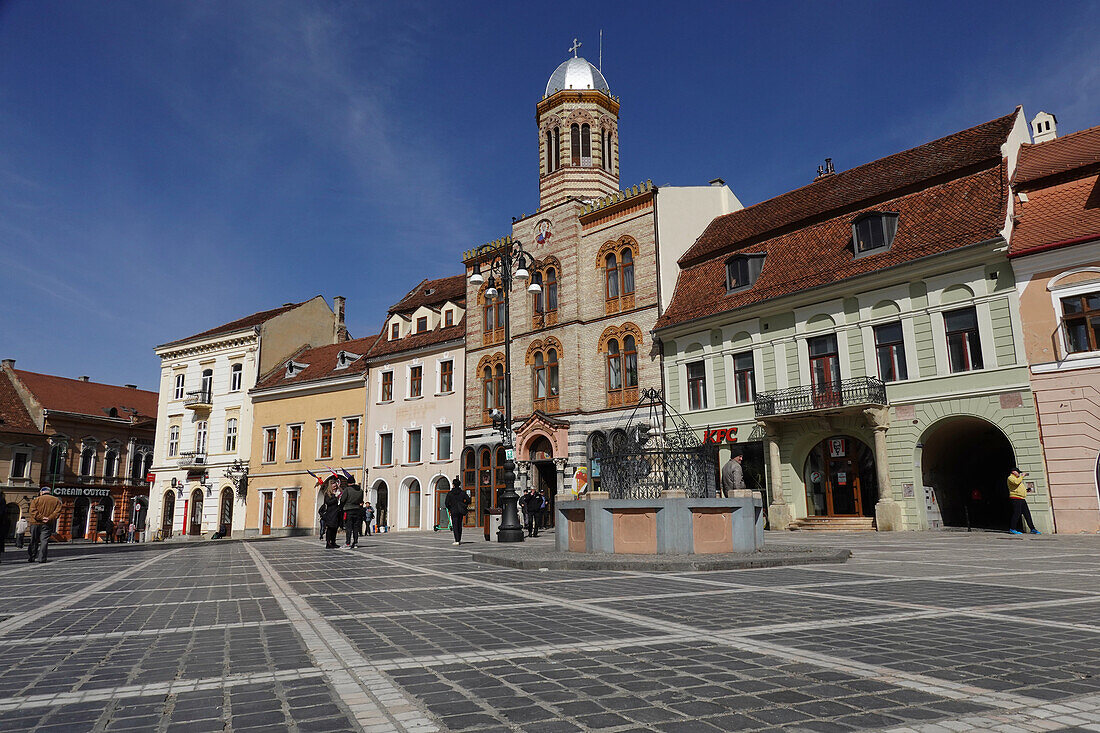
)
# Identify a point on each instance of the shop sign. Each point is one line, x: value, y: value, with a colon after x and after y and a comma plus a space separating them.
x: 717, y: 436
x: 841, y: 477
x: 836, y: 448
x: 815, y: 477
x: 150, y: 477
x: 80, y: 491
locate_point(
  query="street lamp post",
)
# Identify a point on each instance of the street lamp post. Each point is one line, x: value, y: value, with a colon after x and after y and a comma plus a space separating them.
x: 513, y: 262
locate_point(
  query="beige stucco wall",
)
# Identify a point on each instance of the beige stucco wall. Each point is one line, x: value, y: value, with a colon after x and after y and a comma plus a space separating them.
x: 683, y: 212
x: 312, y: 323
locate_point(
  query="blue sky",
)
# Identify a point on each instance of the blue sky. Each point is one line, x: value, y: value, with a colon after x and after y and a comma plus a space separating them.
x: 169, y: 166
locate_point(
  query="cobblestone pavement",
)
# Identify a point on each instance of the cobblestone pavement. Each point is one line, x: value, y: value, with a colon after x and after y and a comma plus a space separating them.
x: 918, y: 632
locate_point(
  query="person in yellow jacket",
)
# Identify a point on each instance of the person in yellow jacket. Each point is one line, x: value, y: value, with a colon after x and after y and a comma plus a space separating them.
x: 1017, y: 494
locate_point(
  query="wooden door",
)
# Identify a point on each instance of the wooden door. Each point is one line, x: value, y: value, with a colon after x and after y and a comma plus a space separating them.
x: 265, y: 527
x: 842, y: 494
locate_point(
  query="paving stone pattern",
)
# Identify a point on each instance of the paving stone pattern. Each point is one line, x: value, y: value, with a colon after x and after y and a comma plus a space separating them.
x: 927, y: 632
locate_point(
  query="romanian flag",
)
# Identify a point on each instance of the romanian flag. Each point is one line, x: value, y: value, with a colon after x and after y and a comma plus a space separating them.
x: 319, y: 479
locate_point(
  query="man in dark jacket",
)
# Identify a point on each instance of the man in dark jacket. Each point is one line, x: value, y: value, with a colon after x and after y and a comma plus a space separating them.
x: 353, y: 514
x: 457, y: 503
x: 533, y: 502
x: 332, y: 511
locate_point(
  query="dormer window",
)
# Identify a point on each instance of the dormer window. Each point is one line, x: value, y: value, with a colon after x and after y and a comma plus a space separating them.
x: 742, y: 271
x: 294, y: 368
x: 421, y: 324
x: 874, y: 232
x: 395, y: 331
x: 345, y: 358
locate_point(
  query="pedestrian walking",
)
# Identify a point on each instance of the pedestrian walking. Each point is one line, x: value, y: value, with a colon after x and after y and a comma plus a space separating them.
x: 132, y: 533
x: 733, y: 476
x: 368, y: 517
x: 544, y: 510
x: 457, y: 503
x: 523, y: 507
x: 533, y: 502
x: 21, y: 528
x: 1017, y: 494
x: 120, y: 532
x: 44, y: 511
x: 332, y: 513
x: 353, y: 514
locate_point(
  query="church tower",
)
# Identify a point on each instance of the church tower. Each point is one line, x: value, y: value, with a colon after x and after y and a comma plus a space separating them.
x: 578, y: 123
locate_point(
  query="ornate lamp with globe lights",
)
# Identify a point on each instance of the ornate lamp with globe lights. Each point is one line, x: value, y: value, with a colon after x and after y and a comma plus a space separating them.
x: 505, y: 264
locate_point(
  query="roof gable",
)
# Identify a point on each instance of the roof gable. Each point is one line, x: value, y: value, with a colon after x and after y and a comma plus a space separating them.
x: 320, y: 363
x: 1060, y: 155
x: 432, y: 293
x: 14, y: 417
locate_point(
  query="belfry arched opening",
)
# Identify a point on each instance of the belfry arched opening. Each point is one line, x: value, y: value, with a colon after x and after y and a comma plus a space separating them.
x: 965, y: 461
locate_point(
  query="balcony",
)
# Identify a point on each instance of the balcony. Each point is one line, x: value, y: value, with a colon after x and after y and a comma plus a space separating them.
x: 833, y: 397
x: 192, y: 458
x: 200, y: 400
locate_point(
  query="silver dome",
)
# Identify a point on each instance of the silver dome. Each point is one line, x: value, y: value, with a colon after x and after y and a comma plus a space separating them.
x: 576, y: 73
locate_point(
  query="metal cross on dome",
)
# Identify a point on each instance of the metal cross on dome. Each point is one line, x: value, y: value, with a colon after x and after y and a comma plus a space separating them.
x: 576, y: 44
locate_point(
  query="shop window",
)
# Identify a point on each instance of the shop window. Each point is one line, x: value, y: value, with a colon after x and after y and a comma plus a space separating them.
x: 414, y: 504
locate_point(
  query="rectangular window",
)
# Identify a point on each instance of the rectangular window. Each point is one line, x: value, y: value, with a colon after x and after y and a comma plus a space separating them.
x: 890, y: 352
x: 744, y: 377
x: 416, y: 381
x: 414, y: 446
x: 270, y: 440
x: 964, y: 345
x: 446, y: 376
x: 351, y: 431
x: 20, y: 464
x: 422, y: 324
x: 385, y: 449
x: 387, y: 386
x: 173, y: 441
x: 697, y: 386
x: 292, y: 509
x: 200, y: 437
x: 294, y: 443
x: 395, y: 331
x: 1081, y: 321
x: 443, y: 443
x: 448, y: 317
x: 235, y: 378
x: 324, y: 446
x: 179, y: 386
x: 231, y: 435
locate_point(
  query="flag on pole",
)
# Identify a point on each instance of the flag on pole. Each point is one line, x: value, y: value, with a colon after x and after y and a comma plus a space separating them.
x: 350, y: 477
x: 319, y: 479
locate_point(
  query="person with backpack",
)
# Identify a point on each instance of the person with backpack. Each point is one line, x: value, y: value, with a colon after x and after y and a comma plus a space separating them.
x: 458, y: 504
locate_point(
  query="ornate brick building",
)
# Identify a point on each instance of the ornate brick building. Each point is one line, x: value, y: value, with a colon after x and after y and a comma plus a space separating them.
x: 581, y: 349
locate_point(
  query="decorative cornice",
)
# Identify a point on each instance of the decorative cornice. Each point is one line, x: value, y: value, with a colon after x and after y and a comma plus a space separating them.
x: 491, y: 249
x: 241, y: 339
x: 615, y: 198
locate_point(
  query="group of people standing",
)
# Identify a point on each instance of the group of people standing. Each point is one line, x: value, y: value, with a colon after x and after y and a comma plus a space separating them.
x: 535, y: 507
x: 345, y: 506
x: 120, y: 532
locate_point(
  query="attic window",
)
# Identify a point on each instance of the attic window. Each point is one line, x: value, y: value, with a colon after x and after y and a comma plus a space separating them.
x: 421, y: 324
x: 742, y: 271
x: 293, y: 368
x: 873, y: 232
x: 344, y: 358
x: 429, y: 291
x: 395, y: 331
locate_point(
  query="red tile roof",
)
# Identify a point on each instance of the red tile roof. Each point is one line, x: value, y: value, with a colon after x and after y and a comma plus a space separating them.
x: 419, y: 340
x: 14, y: 417
x: 87, y: 398
x: 942, y: 217
x: 433, y: 293
x: 1063, y: 212
x: 322, y: 363
x: 256, y: 319
x: 854, y: 189
x: 1056, y: 156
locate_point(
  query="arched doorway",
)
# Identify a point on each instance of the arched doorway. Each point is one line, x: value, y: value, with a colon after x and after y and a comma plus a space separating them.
x: 840, y: 478
x: 194, y: 522
x: 104, y: 509
x: 168, y: 514
x: 412, y: 487
x: 225, y: 512
x: 544, y: 477
x: 81, y: 509
x: 442, y: 486
x: 966, y: 461
x: 139, y: 516
x: 13, y: 517
x: 381, y: 504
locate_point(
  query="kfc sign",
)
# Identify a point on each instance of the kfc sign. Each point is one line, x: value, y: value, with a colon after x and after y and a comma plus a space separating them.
x: 717, y: 436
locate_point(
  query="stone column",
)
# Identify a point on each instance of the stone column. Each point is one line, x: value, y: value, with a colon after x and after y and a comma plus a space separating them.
x: 561, y: 464
x: 779, y: 511
x: 887, y: 511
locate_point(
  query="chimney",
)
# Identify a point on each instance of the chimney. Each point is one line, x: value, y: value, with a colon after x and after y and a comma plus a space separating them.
x: 825, y: 170
x: 341, y: 330
x: 9, y: 363
x: 85, y: 379
x: 1044, y: 127
x: 130, y: 386
x: 717, y: 182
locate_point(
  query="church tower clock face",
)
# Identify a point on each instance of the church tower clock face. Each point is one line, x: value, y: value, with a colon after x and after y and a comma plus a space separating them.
x: 578, y: 121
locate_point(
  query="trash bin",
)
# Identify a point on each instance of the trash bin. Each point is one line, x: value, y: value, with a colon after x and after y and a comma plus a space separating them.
x: 492, y: 524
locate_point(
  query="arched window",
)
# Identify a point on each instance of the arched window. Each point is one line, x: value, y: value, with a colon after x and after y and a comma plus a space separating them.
x: 612, y: 274
x: 597, y: 446
x: 539, y: 379
x: 483, y: 497
x: 630, y: 362
x: 469, y: 471
x: 552, y: 372
x: 501, y: 315
x: 500, y: 386
x: 550, y: 287
x: 610, y: 152
x: 57, y: 461
x: 487, y: 388
x: 87, y: 461
x: 614, y: 367
x: 628, y: 272
x: 575, y: 143
x: 586, y: 144
x: 603, y: 149
x: 557, y: 148
x: 110, y: 464
x: 549, y: 152
x: 490, y: 313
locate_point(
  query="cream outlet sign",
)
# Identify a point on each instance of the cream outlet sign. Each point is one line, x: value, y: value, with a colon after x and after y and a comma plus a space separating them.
x: 80, y: 491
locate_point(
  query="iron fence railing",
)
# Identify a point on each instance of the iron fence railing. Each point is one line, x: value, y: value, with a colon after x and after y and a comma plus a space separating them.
x: 831, y: 395
x: 192, y: 458
x: 199, y: 397
x: 649, y: 472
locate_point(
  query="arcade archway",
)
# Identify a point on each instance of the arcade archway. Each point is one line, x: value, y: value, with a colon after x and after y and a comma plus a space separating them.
x: 966, y: 461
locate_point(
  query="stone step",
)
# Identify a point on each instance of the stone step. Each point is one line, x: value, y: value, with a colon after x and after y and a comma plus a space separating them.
x: 851, y: 524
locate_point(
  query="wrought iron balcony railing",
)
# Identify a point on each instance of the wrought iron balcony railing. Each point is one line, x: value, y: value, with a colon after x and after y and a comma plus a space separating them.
x: 198, y: 399
x: 829, y: 396
x: 192, y: 458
